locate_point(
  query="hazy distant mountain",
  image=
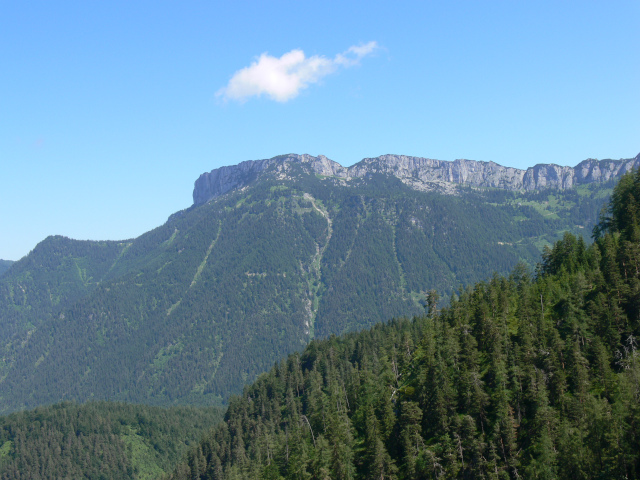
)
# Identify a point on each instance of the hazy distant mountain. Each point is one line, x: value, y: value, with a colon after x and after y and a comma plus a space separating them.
x: 57, y: 272
x: 4, y: 265
x: 272, y: 254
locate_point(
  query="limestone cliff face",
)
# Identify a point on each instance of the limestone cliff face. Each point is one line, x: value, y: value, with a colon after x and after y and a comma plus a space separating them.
x: 419, y: 173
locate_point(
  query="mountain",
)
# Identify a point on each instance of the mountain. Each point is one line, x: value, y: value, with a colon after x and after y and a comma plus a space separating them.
x: 4, y: 265
x: 271, y: 255
x: 56, y: 273
x: 520, y: 377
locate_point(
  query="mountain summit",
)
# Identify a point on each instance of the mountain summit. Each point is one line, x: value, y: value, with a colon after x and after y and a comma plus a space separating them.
x: 419, y: 173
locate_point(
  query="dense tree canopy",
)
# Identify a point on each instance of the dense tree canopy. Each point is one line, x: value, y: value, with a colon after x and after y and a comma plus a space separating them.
x: 4, y: 265
x: 99, y: 440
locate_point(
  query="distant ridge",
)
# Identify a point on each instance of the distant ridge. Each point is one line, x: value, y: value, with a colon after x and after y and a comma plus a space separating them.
x: 419, y: 173
x: 4, y: 265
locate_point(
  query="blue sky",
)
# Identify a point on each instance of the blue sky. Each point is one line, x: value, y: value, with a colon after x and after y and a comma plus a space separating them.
x: 109, y: 111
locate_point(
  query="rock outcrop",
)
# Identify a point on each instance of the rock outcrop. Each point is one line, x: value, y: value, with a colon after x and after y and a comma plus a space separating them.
x: 419, y: 173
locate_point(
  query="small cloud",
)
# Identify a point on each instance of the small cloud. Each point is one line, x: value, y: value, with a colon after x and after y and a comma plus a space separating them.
x: 282, y: 79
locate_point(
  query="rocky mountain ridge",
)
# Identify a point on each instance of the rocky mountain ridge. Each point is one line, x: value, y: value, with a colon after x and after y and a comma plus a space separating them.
x: 297, y: 249
x: 423, y: 174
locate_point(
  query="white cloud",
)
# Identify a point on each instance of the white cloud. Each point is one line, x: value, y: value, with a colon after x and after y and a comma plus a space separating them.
x: 281, y: 79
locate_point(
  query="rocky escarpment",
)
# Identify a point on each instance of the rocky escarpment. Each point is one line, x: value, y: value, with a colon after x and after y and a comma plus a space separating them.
x: 419, y: 173
x: 224, y: 179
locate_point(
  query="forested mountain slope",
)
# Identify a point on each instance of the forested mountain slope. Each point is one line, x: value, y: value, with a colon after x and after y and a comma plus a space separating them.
x: 99, y: 440
x: 4, y: 265
x: 194, y: 309
x: 520, y: 377
x: 55, y: 274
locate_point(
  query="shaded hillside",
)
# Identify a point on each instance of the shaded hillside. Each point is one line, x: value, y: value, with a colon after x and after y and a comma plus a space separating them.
x: 4, y: 265
x: 56, y: 273
x: 519, y: 377
x: 99, y: 440
x: 194, y: 309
